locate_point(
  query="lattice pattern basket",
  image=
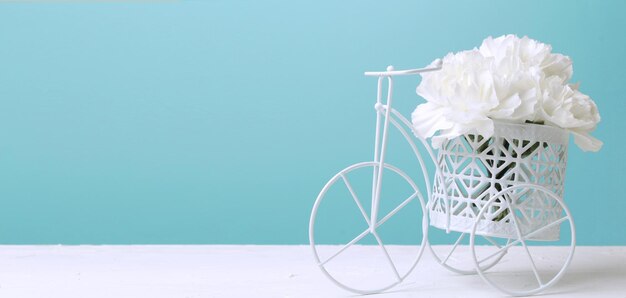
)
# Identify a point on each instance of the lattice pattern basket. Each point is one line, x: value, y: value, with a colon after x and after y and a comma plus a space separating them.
x: 473, y: 169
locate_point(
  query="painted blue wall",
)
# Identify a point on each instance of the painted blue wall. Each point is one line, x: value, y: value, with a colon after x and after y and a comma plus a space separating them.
x: 219, y: 121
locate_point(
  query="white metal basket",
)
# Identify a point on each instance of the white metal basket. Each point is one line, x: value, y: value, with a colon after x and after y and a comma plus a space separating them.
x: 474, y: 169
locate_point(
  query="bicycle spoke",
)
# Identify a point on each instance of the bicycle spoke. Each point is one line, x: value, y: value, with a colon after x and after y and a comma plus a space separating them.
x: 394, y: 211
x: 503, y: 249
x: 492, y: 241
x: 374, y: 176
x: 356, y: 199
x: 532, y: 262
x: 453, y: 248
x: 393, y: 266
x: 355, y: 240
x: 537, y: 231
x: 530, y: 257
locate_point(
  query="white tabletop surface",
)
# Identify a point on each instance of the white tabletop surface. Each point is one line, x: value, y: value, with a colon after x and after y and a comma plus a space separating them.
x: 256, y: 271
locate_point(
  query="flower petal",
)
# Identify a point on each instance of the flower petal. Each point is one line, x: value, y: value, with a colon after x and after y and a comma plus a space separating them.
x: 586, y: 142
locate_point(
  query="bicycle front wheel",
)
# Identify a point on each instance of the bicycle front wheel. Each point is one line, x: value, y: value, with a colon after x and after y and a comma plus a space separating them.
x: 356, y: 254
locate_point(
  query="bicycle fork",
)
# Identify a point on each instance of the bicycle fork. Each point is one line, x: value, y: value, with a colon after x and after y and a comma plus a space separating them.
x: 380, y: 145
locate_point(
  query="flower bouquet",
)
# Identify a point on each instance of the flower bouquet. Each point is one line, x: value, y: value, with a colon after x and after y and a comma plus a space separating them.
x: 501, y: 115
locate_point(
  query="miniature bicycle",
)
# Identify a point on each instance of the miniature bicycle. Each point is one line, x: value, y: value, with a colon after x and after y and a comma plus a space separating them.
x: 504, y: 196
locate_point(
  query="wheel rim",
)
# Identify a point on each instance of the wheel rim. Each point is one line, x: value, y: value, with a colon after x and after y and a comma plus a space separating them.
x: 342, y: 178
x: 523, y: 239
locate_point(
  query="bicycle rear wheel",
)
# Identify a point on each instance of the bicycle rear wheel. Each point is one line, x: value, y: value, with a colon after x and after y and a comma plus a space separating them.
x: 541, y: 219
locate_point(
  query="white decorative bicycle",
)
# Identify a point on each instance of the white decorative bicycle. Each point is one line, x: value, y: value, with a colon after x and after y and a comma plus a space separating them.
x: 493, y: 197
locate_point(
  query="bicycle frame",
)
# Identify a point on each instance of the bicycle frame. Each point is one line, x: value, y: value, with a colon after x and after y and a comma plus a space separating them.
x: 390, y: 115
x: 386, y: 115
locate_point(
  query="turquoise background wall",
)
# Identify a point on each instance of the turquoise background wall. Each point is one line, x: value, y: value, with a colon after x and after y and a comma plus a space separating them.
x: 219, y: 121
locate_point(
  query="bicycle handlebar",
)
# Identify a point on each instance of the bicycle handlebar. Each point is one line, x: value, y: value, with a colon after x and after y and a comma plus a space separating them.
x: 391, y: 72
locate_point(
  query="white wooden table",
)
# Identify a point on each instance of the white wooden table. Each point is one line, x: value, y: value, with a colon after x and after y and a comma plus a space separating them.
x: 253, y: 271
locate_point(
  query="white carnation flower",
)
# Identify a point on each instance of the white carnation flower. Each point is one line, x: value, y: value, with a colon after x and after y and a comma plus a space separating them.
x: 459, y: 97
x: 517, y: 89
x: 508, y: 78
x: 530, y: 55
x: 527, y: 51
x: 566, y: 107
x: 558, y: 65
